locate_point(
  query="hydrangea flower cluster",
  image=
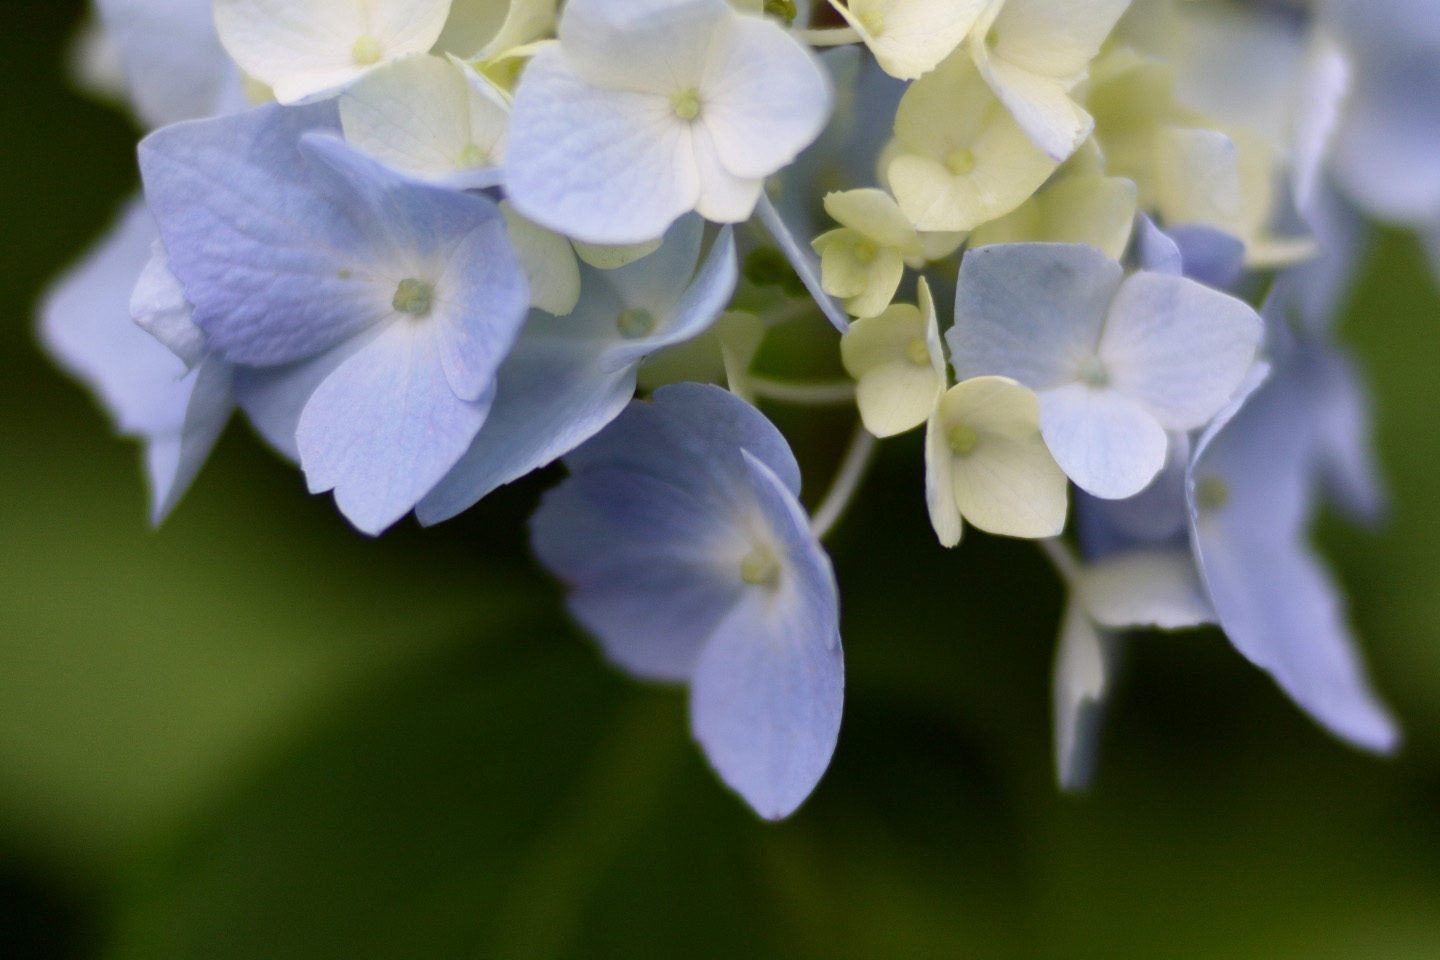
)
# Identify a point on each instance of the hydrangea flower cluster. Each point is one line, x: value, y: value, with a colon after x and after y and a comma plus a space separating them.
x: 1094, y: 248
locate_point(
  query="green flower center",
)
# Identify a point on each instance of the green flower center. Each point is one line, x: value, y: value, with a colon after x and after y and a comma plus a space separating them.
x: 366, y: 50
x: 474, y: 156
x: 413, y: 297
x: 1211, y: 493
x: 686, y: 103
x: 918, y: 352
x: 759, y: 568
x: 960, y: 162
x: 635, y: 323
x: 963, y: 439
x: 1094, y: 374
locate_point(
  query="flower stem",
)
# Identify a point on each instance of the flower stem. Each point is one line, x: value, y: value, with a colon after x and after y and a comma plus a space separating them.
x: 820, y: 394
x: 1062, y: 558
x: 847, y: 483
x: 827, y: 36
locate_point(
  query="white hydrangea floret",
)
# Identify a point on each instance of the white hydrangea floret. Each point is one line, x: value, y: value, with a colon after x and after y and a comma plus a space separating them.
x: 647, y: 109
x: 898, y: 363
x: 304, y: 48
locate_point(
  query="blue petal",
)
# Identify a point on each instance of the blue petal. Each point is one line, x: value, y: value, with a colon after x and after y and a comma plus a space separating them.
x: 274, y: 397
x: 769, y: 689
x: 174, y: 460
x: 1273, y: 597
x: 639, y: 555
x: 385, y: 427
x: 1030, y: 311
x: 286, y: 252
x: 567, y: 378
x: 1211, y: 256
x: 1154, y: 250
x: 691, y: 435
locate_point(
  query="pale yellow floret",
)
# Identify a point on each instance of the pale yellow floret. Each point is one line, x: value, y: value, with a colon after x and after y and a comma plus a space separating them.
x: 548, y: 260
x: 961, y: 159
x: 898, y: 364
x: 1089, y: 208
x: 987, y: 463
x: 909, y: 38
x: 864, y: 261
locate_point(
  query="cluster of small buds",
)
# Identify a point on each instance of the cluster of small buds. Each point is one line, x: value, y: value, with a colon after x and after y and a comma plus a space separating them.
x: 428, y: 247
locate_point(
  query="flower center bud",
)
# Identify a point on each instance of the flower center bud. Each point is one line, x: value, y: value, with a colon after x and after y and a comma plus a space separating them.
x: 413, y: 297
x: 686, y: 103
x: 1211, y: 493
x: 873, y: 21
x: 635, y: 323
x: 963, y: 439
x: 366, y: 50
x: 474, y: 156
x: 865, y: 251
x: 1094, y: 374
x: 960, y: 162
x: 760, y: 568
x: 918, y: 353
x: 992, y: 39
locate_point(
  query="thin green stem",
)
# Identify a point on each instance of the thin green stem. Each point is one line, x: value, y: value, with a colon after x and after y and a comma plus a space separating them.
x: 847, y: 483
x: 829, y: 393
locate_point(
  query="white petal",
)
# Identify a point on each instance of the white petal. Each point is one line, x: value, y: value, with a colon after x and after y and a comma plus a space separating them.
x: 940, y: 483
x: 301, y: 48
x: 598, y: 165
x: 1110, y: 445
x: 1041, y: 105
x: 1146, y: 588
x: 549, y: 260
x: 763, y: 97
x: 910, y: 37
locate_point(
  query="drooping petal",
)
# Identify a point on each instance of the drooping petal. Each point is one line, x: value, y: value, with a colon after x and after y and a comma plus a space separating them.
x: 1041, y: 105
x: 158, y: 306
x: 1178, y: 348
x: 86, y: 327
x: 1249, y: 490
x: 769, y: 687
x: 173, y: 461
x: 385, y: 427
x: 1082, y: 666
x: 1145, y: 588
x: 645, y: 564
x: 603, y: 166
x: 551, y: 268
x: 1030, y: 311
x: 1109, y: 444
x: 173, y: 61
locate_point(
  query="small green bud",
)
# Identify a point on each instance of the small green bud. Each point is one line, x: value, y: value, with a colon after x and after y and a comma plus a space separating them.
x: 1094, y: 374
x: 783, y: 9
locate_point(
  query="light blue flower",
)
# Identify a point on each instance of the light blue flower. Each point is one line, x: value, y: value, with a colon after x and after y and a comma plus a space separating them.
x: 568, y: 377
x: 1251, y: 491
x: 689, y: 557
x: 177, y: 409
x: 405, y: 297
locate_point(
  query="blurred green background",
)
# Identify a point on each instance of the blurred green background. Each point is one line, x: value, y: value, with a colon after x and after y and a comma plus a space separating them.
x: 256, y: 734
